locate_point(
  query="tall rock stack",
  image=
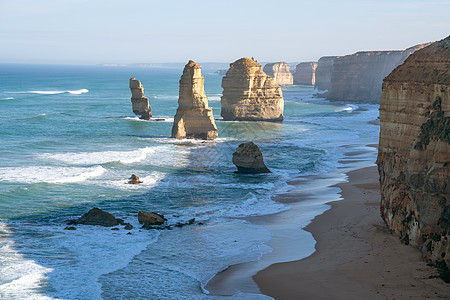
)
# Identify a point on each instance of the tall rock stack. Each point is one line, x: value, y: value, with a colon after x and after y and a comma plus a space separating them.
x: 139, y: 103
x: 414, y: 151
x: 279, y: 71
x: 193, y: 118
x: 324, y: 71
x: 249, y: 94
x: 305, y: 73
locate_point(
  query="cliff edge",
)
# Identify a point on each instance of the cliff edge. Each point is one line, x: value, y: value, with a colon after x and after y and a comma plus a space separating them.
x: 414, y: 151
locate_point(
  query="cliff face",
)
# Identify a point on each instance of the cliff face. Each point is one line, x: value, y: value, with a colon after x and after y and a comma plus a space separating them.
x: 414, y: 151
x: 305, y: 73
x: 359, y: 77
x: 323, y: 73
x: 139, y: 103
x: 280, y: 72
x: 249, y: 94
x: 193, y: 118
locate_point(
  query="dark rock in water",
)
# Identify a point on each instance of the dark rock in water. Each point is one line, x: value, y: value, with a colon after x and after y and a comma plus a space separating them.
x: 150, y: 218
x: 134, y: 180
x: 70, y: 228
x: 249, y: 160
x: 115, y: 228
x: 128, y: 226
x: 99, y: 217
x: 191, y: 221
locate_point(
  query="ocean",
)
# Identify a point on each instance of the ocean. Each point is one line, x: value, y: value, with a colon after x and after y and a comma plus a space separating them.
x: 69, y: 141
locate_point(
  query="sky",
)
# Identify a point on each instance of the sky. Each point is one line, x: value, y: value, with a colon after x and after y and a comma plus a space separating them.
x: 157, y: 31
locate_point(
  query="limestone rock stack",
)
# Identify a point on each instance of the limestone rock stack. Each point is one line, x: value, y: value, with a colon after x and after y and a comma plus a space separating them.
x: 414, y: 151
x: 305, y: 73
x: 280, y: 72
x: 324, y: 71
x: 249, y: 94
x: 193, y: 118
x: 248, y: 159
x: 139, y: 103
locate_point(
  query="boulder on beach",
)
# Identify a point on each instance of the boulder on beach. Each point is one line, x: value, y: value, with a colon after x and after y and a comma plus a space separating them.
x: 134, y: 180
x: 249, y: 160
x: 97, y: 216
x: 150, y: 218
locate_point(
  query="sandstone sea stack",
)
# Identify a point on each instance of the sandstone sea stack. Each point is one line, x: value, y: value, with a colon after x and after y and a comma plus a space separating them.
x: 305, y: 73
x: 193, y: 118
x: 140, y: 103
x: 249, y: 94
x: 280, y: 72
x: 414, y: 151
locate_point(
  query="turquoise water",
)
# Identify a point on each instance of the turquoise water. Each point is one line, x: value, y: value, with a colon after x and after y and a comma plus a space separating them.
x: 69, y: 141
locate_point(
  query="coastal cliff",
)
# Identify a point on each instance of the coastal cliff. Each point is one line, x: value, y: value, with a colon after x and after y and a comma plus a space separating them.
x: 359, y: 76
x: 280, y: 72
x: 323, y: 73
x: 305, y: 73
x: 139, y: 103
x: 193, y: 118
x: 249, y: 94
x: 414, y: 151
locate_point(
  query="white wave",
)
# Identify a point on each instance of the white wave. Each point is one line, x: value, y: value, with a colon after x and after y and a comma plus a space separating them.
x: 154, y: 119
x: 74, y: 92
x: 49, y: 174
x: 20, y: 278
x: 102, y: 157
x: 78, y: 92
x: 214, y: 98
x: 148, y: 181
x: 347, y: 108
x: 8, y: 98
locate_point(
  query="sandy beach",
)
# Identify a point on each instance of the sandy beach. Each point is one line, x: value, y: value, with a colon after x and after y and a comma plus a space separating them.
x: 356, y: 257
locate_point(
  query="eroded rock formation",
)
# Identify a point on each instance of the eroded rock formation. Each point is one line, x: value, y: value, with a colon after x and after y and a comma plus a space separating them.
x: 359, y: 76
x: 323, y: 73
x: 193, y: 118
x: 249, y: 94
x: 249, y: 160
x: 139, y: 103
x: 305, y: 73
x: 280, y: 72
x: 150, y: 218
x: 414, y: 151
x: 98, y: 217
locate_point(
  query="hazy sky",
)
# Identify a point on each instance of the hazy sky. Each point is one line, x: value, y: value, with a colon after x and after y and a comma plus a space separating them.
x: 119, y: 31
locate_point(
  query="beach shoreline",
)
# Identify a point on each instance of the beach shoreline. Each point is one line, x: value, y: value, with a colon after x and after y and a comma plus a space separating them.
x: 356, y: 257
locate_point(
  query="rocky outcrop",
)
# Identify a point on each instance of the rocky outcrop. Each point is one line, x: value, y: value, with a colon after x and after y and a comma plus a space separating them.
x: 98, y: 217
x: 193, y: 118
x: 359, y: 76
x: 249, y: 160
x: 305, y: 73
x: 140, y: 103
x: 150, y: 218
x: 324, y: 71
x: 134, y: 180
x: 249, y: 94
x: 414, y: 151
x: 280, y: 72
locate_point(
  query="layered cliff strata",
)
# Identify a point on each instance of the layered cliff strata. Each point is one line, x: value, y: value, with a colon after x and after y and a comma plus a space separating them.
x: 249, y: 94
x: 324, y: 71
x: 414, y: 151
x: 139, y: 103
x: 280, y: 72
x: 305, y: 73
x: 359, y: 76
x: 193, y: 118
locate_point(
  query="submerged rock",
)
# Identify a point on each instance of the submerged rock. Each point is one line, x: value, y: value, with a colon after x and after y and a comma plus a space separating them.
x: 193, y: 118
x: 150, y: 218
x: 134, y: 180
x: 140, y: 103
x: 280, y: 72
x: 249, y: 160
x: 249, y: 94
x: 97, y: 216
